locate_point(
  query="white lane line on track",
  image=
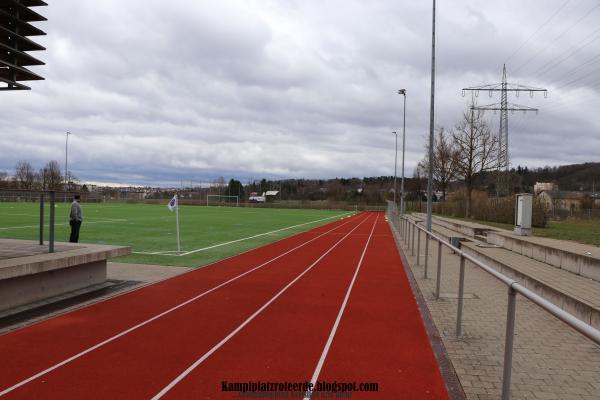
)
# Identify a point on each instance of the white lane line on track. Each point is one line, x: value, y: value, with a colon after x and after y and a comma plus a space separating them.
x: 317, y: 372
x: 133, y: 328
x: 104, y: 221
x: 169, y: 252
x: 249, y: 319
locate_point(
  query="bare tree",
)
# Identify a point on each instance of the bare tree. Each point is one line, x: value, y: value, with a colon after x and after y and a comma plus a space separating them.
x: 4, y: 179
x: 51, y: 176
x: 444, y: 161
x: 476, y: 149
x: 24, y: 175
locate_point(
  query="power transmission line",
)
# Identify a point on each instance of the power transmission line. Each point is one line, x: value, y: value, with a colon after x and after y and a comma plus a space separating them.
x: 575, y: 70
x: 584, y: 16
x: 564, y: 56
x: 537, y: 30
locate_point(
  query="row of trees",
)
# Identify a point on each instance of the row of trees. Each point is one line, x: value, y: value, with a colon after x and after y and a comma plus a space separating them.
x: 26, y: 177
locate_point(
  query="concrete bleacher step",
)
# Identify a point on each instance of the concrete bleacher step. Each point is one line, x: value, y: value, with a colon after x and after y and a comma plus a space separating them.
x: 467, y: 228
x: 560, y: 271
x: 577, y: 258
x: 482, y: 238
x: 575, y: 294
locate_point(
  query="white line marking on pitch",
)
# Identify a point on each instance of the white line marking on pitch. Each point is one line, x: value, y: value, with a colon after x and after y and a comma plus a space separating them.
x: 248, y: 320
x: 133, y: 328
x: 167, y: 253
x: 105, y: 221
x: 317, y: 372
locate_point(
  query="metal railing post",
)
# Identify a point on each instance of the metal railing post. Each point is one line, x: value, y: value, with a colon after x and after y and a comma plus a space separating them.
x: 418, y: 245
x: 413, y: 238
x: 461, y: 291
x: 508, y: 344
x: 426, y: 254
x: 52, y: 209
x: 41, y: 219
x: 439, y: 271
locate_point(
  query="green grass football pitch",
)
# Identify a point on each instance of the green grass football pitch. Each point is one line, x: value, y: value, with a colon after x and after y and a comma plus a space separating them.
x: 208, y: 234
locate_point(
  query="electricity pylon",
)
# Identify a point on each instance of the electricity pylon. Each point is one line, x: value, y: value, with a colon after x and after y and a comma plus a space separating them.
x: 504, y: 107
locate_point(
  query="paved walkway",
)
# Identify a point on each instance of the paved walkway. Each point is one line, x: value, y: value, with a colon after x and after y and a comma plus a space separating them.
x: 551, y: 360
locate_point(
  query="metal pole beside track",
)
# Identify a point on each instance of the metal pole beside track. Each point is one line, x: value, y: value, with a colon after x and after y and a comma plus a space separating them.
x: 439, y: 271
x: 52, y: 209
x: 426, y: 254
x: 413, y: 239
x: 418, y: 245
x: 41, y: 218
x: 509, y: 341
x: 461, y: 292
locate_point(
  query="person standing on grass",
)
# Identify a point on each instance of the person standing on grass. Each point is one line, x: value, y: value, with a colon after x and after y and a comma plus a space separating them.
x: 75, y: 219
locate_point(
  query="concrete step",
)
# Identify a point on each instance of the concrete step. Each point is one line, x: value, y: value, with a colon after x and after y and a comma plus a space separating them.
x: 575, y: 294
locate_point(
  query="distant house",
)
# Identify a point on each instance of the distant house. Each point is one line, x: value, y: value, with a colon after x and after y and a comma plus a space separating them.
x: 557, y: 200
x: 255, y: 198
x: 543, y: 186
x: 266, y: 196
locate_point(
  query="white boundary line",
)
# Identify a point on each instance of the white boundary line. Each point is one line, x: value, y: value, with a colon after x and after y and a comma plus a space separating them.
x: 249, y: 319
x: 167, y: 253
x: 317, y: 372
x: 103, y: 221
x: 133, y: 328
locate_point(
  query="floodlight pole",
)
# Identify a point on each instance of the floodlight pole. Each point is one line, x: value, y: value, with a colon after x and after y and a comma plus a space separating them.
x: 431, y: 125
x: 395, y: 167
x: 67, y: 161
x: 403, y: 93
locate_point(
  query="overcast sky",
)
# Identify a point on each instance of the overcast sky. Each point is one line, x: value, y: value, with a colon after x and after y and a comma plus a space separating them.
x: 155, y: 92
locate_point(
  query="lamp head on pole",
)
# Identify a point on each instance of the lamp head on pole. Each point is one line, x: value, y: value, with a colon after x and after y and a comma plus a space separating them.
x: 395, y: 133
x: 402, y: 92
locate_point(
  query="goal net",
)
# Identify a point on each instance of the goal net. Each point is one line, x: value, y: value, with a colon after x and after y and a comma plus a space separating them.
x: 222, y: 201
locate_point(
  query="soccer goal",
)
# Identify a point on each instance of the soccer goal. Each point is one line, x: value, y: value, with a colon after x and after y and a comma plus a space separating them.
x: 222, y: 201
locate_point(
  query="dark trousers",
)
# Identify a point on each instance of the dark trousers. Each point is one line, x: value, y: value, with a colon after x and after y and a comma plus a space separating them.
x: 75, y: 226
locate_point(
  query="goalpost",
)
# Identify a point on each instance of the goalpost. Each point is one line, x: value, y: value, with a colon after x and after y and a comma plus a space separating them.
x: 221, y: 200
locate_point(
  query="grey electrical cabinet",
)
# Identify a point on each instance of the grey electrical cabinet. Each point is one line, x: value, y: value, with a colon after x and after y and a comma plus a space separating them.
x: 523, y: 214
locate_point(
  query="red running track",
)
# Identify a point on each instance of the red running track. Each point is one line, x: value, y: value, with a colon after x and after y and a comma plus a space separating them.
x: 330, y: 304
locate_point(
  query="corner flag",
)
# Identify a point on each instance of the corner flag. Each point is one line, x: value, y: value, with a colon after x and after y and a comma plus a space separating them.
x: 173, y: 203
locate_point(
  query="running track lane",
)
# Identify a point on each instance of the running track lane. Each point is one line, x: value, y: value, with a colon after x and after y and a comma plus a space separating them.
x: 42, y: 345
x: 284, y: 342
x: 211, y: 316
x: 380, y: 337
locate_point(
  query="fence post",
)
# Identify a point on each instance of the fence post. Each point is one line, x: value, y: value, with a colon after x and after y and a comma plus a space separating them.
x: 426, y: 254
x: 42, y: 218
x: 52, y: 209
x: 413, y: 239
x: 461, y: 290
x: 418, y: 245
x: 439, y: 271
x: 508, y: 344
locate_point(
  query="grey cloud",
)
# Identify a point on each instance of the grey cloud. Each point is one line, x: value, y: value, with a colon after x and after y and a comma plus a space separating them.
x: 158, y: 92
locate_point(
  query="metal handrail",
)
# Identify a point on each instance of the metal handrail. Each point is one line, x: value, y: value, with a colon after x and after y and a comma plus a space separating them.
x: 514, y: 287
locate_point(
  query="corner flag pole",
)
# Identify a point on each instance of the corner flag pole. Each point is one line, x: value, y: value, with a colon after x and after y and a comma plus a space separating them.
x: 177, y: 222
